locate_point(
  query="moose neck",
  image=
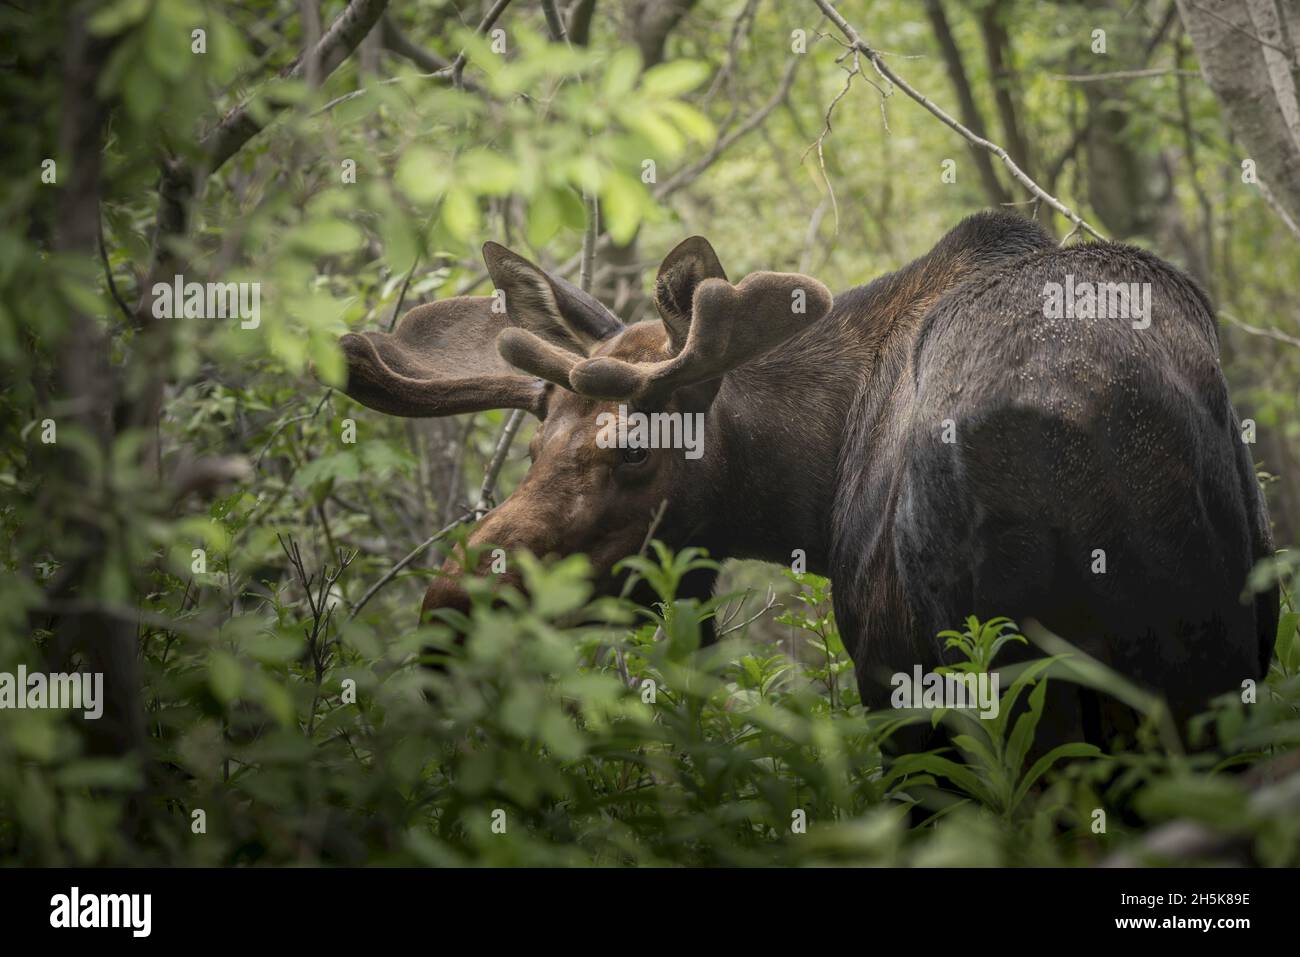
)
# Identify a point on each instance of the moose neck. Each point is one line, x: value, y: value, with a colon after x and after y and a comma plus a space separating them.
x: 784, y: 421
x: 779, y: 424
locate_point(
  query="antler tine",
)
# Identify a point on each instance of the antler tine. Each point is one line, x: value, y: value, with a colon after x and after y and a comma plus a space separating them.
x: 730, y: 325
x: 532, y: 354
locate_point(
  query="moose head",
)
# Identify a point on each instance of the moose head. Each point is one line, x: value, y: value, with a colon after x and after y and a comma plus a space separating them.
x: 542, y: 345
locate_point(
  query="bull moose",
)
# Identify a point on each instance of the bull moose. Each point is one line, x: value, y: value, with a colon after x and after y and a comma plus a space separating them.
x: 946, y: 440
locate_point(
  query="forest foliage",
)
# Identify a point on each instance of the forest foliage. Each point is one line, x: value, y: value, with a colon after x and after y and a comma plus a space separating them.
x: 212, y: 515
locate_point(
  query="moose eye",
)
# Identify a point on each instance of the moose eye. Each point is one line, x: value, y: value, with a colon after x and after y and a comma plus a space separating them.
x: 634, y: 456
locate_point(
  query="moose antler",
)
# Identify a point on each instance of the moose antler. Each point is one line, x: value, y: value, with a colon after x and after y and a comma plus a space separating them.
x: 729, y: 326
x: 440, y: 361
x: 460, y: 355
x: 524, y: 350
x: 710, y: 325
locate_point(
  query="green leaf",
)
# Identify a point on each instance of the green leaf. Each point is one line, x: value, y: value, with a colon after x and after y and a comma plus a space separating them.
x: 559, y: 735
x: 273, y: 649
x: 399, y: 239
x: 142, y: 92
x: 1073, y: 750
x: 1024, y: 679
x: 343, y: 466
x: 331, y: 367
x: 519, y: 710
x: 624, y: 201
x: 1217, y: 800
x: 621, y: 73
x: 544, y: 218
x: 167, y: 44
x: 328, y: 237
x: 34, y: 738
x: 277, y: 700
x: 978, y: 749
x: 1287, y: 646
x: 487, y: 172
x: 572, y: 213
x: 1022, y: 735
x: 959, y: 774
x: 116, y: 17
x: 663, y: 136
x: 690, y: 121
x: 99, y: 773
x: 460, y: 214
x: 417, y: 174
x: 556, y: 590
x: 674, y: 78
x: 225, y: 676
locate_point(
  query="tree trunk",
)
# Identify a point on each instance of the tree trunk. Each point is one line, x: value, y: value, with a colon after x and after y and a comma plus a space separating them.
x: 970, y: 114
x: 105, y: 642
x: 1249, y: 63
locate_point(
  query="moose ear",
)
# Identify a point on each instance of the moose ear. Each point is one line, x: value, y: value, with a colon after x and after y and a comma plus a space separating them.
x: 730, y: 326
x: 442, y: 360
x: 691, y: 262
x: 548, y: 306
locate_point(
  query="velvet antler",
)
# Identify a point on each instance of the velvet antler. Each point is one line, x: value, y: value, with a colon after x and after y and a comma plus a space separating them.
x: 442, y: 360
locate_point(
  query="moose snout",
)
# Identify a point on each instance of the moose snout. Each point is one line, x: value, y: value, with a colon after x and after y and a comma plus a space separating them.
x: 444, y: 593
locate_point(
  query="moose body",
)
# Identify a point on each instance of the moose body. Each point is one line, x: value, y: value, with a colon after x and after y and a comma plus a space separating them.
x: 939, y: 443
x: 1094, y: 478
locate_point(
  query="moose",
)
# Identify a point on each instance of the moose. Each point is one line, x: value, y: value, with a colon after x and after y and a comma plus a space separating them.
x: 946, y: 440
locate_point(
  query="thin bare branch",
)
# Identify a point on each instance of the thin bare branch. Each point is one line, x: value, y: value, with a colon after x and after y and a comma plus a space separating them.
x: 395, y: 41
x: 108, y: 276
x: 1122, y: 75
x: 691, y: 173
x: 1265, y: 332
x: 401, y: 296
x: 887, y: 73
x: 411, y: 556
x: 1238, y: 29
x: 288, y: 422
x: 740, y: 29
x: 554, y: 23
x: 589, y: 236
x: 1267, y: 195
x: 619, y: 659
x: 767, y: 606
x: 343, y: 36
x: 827, y: 129
x: 489, y: 21
x: 488, y: 488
